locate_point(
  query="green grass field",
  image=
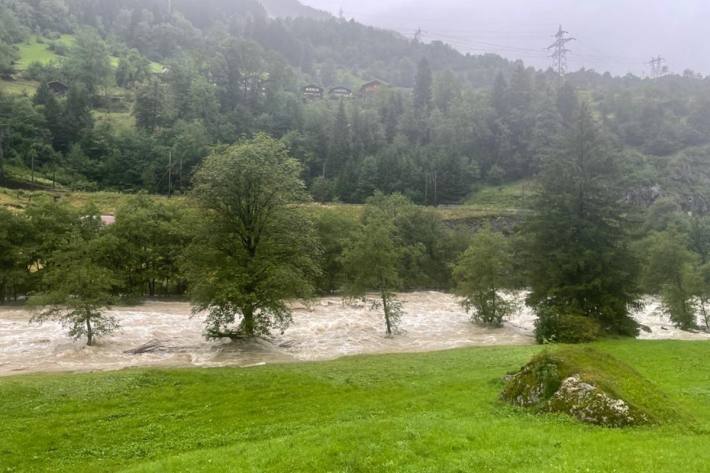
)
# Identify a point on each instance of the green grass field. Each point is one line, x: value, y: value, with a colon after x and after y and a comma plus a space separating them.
x: 515, y: 195
x: 108, y: 201
x: 18, y: 87
x: 37, y: 50
x: 434, y: 412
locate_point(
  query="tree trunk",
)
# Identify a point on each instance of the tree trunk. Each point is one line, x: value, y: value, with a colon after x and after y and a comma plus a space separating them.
x: 248, y: 322
x: 386, y: 308
x: 89, y: 333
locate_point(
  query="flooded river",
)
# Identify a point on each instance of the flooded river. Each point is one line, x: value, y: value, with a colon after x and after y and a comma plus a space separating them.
x: 327, y: 328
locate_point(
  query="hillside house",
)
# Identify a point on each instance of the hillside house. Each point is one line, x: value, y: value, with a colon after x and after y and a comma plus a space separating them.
x: 312, y: 92
x: 372, y: 88
x: 340, y: 93
x: 58, y: 88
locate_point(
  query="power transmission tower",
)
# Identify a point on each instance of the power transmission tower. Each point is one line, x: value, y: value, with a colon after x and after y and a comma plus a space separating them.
x: 559, y: 51
x: 341, y: 14
x: 418, y: 35
x: 658, y: 67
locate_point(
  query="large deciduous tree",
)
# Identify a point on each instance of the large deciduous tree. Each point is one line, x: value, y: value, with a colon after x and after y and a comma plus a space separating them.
x: 580, y: 261
x: 255, y: 249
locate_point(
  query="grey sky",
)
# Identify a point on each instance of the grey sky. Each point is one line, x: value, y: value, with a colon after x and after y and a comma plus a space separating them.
x: 616, y: 35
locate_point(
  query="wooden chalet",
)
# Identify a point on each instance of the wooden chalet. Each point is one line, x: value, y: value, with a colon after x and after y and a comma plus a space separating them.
x: 311, y: 92
x: 340, y: 93
x: 372, y: 88
x: 58, y: 88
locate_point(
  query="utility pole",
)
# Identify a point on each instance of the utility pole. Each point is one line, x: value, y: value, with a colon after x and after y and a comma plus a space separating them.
x: 170, y: 174
x: 559, y: 51
x: 2, y: 155
x: 658, y: 69
x: 180, y: 173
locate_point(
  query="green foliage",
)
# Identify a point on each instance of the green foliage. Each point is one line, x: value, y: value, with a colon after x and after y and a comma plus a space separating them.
x: 373, y: 257
x: 578, y: 252
x: 76, y: 288
x: 334, y: 231
x: 671, y: 269
x: 423, y: 88
x: 553, y: 327
x: 8, y: 58
x: 87, y: 62
x: 445, y: 124
x: 481, y: 273
x: 14, y: 235
x: 144, y: 246
x: 253, y: 249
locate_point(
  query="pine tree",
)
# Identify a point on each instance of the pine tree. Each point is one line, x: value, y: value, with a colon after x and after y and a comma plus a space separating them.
x: 148, y: 108
x: 423, y: 88
x: 339, y: 149
x: 580, y: 262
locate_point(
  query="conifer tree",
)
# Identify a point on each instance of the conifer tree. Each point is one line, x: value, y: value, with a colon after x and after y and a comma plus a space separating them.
x: 423, y: 88
x: 580, y: 261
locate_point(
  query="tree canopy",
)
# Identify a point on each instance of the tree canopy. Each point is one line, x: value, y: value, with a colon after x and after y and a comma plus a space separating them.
x: 255, y: 248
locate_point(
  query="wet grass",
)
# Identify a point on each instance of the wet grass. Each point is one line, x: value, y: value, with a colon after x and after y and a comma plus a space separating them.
x: 37, y: 49
x: 505, y: 197
x: 18, y: 87
x: 435, y: 412
x: 109, y: 201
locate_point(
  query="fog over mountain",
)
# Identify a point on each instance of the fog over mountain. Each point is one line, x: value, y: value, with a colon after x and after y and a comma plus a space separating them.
x: 616, y: 35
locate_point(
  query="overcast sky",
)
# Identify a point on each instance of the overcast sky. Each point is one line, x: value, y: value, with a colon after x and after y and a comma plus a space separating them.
x: 616, y: 35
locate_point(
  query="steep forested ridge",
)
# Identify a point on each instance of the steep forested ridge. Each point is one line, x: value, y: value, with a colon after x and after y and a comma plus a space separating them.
x: 153, y: 86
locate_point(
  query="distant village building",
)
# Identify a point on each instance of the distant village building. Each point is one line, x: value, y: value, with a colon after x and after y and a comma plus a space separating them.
x: 58, y: 88
x: 371, y: 88
x: 311, y: 92
x: 340, y: 93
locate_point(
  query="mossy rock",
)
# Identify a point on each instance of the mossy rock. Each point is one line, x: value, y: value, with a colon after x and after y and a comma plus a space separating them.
x: 589, y: 385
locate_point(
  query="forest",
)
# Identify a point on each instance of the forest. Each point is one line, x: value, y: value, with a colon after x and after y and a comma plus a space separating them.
x: 146, y: 94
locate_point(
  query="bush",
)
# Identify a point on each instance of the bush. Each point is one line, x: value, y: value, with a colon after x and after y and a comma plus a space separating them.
x: 554, y: 327
x: 323, y: 190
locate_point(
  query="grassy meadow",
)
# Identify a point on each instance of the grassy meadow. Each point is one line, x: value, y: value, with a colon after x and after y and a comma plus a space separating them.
x: 433, y: 412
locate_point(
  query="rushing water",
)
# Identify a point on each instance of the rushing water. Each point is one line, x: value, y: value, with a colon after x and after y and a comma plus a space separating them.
x: 327, y: 328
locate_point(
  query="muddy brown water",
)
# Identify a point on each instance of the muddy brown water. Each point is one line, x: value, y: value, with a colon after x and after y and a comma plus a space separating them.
x: 325, y: 329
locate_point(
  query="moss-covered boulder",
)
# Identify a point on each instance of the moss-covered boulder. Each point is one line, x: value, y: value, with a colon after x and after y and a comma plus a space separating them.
x: 589, y: 385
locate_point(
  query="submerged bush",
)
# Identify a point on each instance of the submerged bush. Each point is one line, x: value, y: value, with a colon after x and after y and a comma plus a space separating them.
x: 554, y: 327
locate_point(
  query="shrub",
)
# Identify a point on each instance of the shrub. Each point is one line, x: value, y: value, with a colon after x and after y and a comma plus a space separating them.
x: 554, y: 327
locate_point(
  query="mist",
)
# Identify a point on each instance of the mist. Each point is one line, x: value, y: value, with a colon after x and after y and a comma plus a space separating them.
x: 616, y: 36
